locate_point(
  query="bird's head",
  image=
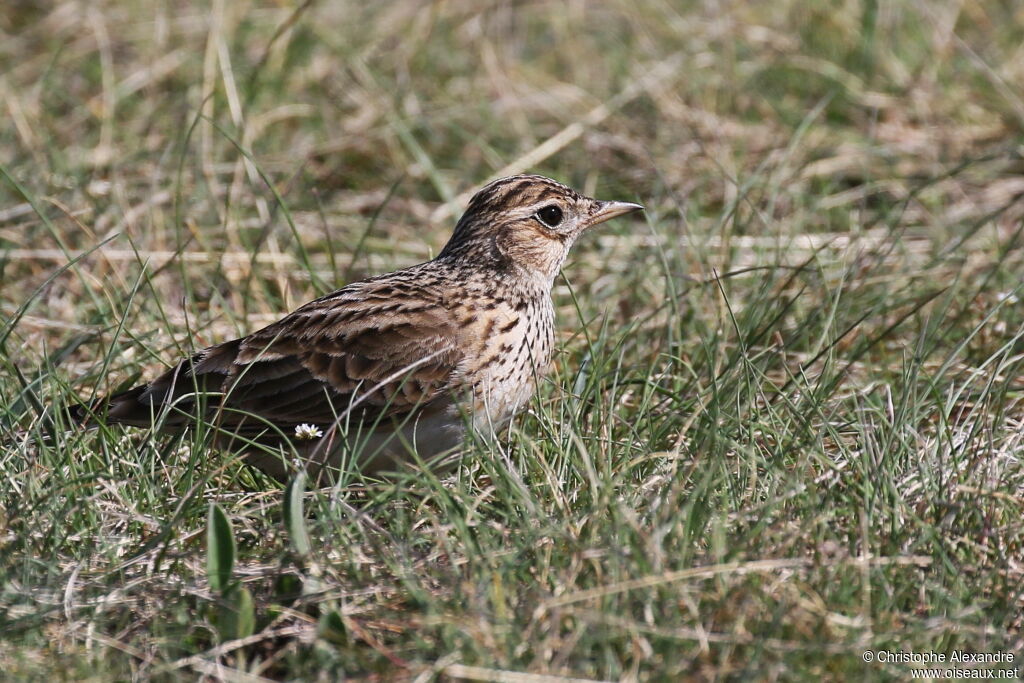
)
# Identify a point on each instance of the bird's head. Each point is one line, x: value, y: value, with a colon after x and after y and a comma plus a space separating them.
x: 527, y: 223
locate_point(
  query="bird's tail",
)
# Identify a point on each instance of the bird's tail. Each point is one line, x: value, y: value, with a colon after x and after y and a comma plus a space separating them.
x: 120, y: 408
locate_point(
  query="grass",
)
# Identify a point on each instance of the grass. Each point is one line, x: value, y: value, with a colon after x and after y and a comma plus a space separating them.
x: 784, y: 426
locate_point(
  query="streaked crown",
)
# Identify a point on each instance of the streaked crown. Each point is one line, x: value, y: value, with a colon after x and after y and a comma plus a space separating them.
x: 526, y: 223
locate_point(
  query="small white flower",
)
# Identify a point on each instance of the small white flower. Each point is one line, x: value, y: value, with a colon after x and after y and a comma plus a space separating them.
x: 1008, y: 297
x: 307, y: 432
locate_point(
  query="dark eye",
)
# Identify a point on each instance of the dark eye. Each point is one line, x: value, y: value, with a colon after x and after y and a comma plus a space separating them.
x: 550, y: 215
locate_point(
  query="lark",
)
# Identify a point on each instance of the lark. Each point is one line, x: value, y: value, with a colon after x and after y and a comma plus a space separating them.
x: 396, y: 366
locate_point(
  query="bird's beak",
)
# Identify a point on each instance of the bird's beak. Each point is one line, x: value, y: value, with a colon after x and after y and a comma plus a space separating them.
x: 609, y: 210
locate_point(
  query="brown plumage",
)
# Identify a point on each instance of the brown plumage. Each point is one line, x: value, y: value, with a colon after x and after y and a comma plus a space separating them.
x: 395, y: 362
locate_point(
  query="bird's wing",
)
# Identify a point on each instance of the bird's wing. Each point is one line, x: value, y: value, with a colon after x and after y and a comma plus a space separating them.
x: 359, y: 355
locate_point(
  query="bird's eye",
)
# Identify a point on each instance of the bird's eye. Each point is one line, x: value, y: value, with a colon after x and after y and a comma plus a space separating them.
x: 550, y: 215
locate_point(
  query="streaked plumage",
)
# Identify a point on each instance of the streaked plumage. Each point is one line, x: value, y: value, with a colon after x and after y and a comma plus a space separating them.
x: 395, y: 361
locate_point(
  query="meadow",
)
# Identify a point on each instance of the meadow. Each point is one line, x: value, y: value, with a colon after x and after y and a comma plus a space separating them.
x: 782, y: 437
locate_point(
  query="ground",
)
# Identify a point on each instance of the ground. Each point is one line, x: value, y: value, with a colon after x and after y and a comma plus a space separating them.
x: 782, y: 438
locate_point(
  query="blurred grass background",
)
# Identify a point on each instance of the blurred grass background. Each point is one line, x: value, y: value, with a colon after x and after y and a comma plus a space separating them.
x: 785, y: 423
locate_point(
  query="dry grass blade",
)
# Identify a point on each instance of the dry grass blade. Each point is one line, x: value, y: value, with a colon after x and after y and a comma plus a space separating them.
x: 479, y: 673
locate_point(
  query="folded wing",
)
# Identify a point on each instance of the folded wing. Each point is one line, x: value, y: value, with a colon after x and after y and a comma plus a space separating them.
x: 362, y: 354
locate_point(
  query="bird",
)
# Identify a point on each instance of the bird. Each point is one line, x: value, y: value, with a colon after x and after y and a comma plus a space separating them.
x: 394, y: 367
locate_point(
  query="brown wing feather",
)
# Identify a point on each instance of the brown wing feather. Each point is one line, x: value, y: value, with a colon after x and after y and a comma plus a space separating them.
x: 355, y: 352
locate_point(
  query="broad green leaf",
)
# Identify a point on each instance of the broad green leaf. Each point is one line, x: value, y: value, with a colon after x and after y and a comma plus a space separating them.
x: 295, y: 516
x: 238, y: 618
x: 220, y: 548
